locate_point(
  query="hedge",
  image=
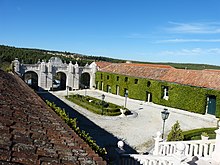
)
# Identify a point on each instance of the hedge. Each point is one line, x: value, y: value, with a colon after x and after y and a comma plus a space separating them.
x: 189, y: 98
x: 195, y: 134
x: 95, y: 105
x: 73, y: 124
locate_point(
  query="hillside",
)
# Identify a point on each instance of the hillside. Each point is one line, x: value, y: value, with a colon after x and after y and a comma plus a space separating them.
x: 26, y: 55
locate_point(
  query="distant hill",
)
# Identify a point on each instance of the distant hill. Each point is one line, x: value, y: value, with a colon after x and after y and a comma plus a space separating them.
x: 26, y: 55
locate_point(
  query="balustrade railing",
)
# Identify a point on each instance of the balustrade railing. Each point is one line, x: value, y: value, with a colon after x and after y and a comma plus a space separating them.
x: 201, y: 148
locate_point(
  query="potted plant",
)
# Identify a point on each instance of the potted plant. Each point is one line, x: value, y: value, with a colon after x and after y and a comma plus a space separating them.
x: 204, y: 136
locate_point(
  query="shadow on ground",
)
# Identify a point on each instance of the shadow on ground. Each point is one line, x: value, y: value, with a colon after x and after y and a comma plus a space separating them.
x: 101, y: 136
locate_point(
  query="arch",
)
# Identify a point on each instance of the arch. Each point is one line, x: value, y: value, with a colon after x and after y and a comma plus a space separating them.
x: 85, y: 80
x: 31, y: 78
x: 59, y: 81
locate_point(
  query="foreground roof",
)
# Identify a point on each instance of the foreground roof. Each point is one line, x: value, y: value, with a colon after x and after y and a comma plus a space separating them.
x: 200, y: 78
x: 31, y: 133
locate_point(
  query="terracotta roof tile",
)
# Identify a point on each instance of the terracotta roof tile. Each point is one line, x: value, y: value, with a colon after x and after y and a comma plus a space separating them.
x: 199, y: 78
x: 31, y: 133
x: 137, y: 70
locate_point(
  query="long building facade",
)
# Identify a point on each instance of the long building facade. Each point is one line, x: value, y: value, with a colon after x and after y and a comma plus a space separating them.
x: 191, y: 90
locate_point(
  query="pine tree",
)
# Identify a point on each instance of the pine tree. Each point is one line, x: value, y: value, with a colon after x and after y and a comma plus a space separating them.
x: 176, y: 134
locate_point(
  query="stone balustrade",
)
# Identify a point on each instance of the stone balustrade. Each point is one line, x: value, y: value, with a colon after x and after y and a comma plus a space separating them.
x: 182, y: 152
x: 201, y: 148
x: 156, y: 160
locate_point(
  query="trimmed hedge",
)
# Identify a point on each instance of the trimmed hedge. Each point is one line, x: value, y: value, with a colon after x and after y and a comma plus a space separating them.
x: 95, y: 105
x: 195, y: 134
x: 190, y: 98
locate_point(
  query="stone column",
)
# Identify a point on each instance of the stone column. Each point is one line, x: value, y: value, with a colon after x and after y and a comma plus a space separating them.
x: 158, y: 139
x: 76, y: 77
x: 216, y: 153
x: 16, y: 65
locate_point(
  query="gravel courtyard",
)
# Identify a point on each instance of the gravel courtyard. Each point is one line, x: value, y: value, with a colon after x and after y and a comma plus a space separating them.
x: 139, y: 129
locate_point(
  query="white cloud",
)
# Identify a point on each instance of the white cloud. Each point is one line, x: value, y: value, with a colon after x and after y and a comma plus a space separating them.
x: 136, y: 36
x: 191, y: 52
x: 194, y: 28
x: 179, y: 40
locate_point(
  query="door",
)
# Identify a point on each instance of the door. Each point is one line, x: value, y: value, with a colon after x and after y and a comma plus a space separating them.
x: 211, y: 105
x: 117, y: 90
x: 148, y: 96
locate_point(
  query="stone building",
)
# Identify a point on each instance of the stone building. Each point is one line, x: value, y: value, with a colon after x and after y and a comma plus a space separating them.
x: 43, y: 74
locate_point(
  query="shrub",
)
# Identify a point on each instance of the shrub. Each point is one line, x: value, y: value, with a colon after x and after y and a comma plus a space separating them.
x: 176, y: 134
x: 73, y: 124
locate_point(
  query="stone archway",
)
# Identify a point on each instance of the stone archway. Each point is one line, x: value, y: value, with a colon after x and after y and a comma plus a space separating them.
x: 85, y: 80
x: 31, y: 78
x: 59, y: 81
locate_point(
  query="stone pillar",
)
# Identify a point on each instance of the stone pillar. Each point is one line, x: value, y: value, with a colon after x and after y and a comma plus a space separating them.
x: 93, y: 67
x: 158, y: 139
x: 76, y: 77
x: 216, y: 153
x: 70, y: 76
x: 16, y: 65
x: 43, y: 76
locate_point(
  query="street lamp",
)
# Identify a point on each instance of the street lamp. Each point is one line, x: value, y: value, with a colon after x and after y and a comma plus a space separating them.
x: 103, y: 97
x: 85, y: 90
x: 164, y: 115
x: 126, y: 97
x: 67, y: 90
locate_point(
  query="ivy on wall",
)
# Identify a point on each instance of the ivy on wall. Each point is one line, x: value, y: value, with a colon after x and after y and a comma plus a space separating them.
x: 190, y: 98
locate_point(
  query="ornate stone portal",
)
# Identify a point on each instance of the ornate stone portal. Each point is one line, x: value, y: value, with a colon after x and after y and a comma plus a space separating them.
x: 72, y: 76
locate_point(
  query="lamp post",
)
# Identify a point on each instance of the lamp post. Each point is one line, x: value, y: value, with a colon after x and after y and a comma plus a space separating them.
x: 103, y: 97
x: 126, y: 97
x: 85, y: 90
x: 164, y: 115
x: 67, y: 90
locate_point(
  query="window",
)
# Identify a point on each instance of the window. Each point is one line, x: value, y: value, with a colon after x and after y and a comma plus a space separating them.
x: 102, y: 85
x: 166, y: 92
x: 148, y: 84
x: 108, y: 88
x: 101, y: 76
x: 107, y: 77
x: 136, y: 81
x: 126, y: 79
x: 117, y: 78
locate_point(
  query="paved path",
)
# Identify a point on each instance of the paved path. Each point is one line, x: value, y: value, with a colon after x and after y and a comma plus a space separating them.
x: 138, y: 131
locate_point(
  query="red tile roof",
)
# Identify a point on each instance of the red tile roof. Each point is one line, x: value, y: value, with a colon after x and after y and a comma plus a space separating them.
x: 102, y: 64
x: 199, y: 78
x: 137, y: 70
x: 31, y: 133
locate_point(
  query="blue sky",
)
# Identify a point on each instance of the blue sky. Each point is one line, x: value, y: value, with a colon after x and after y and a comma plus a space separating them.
x: 184, y: 31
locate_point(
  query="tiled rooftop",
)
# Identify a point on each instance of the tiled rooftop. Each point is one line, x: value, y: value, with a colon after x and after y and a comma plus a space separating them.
x: 201, y: 78
x: 31, y: 133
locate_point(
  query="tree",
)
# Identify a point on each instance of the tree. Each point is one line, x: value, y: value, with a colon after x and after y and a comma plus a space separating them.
x: 176, y: 134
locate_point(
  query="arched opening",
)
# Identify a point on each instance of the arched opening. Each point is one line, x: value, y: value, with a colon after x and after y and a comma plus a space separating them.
x: 59, y: 81
x: 85, y: 81
x: 31, y: 78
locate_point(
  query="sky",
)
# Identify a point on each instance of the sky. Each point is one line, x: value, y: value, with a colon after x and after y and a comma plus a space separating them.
x: 183, y: 31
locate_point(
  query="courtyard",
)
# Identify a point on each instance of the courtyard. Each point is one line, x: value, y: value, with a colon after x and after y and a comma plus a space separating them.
x: 137, y: 130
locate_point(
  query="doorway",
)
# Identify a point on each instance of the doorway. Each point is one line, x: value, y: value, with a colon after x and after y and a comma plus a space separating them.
x: 148, y: 96
x: 211, y: 105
